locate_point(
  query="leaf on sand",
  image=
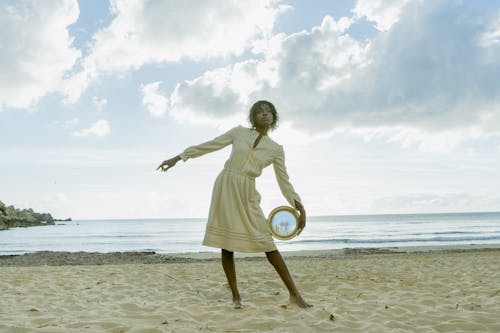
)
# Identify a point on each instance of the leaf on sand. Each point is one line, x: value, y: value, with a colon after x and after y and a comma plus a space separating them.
x: 331, y: 316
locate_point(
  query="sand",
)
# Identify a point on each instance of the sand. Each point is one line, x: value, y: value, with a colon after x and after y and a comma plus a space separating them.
x: 376, y: 290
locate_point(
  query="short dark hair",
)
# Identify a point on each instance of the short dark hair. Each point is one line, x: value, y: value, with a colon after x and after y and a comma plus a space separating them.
x: 256, y: 107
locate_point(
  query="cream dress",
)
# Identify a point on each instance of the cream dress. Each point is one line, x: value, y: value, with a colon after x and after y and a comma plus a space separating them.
x: 235, y: 220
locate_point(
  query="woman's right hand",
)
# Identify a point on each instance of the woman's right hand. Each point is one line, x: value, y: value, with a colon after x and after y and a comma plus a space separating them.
x: 302, y: 216
x: 167, y: 164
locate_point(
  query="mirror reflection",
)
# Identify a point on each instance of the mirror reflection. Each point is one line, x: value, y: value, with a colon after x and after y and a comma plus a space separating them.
x: 283, y: 222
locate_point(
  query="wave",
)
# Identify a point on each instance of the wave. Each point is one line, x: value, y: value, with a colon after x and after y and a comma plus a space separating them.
x: 395, y: 240
x: 448, y: 233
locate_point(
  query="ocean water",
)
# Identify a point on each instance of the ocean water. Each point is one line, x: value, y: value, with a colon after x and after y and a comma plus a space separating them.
x: 321, y: 233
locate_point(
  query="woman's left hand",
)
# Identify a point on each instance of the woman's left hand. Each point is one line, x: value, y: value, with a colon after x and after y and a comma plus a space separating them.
x: 302, y: 217
x: 167, y: 164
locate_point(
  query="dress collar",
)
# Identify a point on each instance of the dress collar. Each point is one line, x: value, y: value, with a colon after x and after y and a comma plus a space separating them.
x: 254, y: 130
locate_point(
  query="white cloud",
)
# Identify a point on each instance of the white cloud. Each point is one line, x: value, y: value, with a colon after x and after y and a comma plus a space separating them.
x: 296, y: 70
x: 153, y: 100
x: 491, y: 36
x: 100, y: 128
x: 36, y: 49
x: 71, y: 123
x: 383, y: 12
x: 99, y: 103
x: 156, y: 31
x: 220, y: 93
x: 66, y: 124
x: 432, y: 202
x: 428, y: 81
x: 409, y: 137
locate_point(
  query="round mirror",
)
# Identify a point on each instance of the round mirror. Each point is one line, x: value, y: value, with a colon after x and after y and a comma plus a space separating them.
x: 283, y: 222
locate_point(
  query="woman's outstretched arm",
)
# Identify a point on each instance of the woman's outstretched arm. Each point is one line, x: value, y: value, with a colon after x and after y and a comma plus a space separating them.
x: 195, y: 151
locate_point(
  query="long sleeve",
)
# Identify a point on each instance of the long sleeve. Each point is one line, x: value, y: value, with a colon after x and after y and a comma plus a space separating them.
x: 209, y: 146
x: 283, y: 180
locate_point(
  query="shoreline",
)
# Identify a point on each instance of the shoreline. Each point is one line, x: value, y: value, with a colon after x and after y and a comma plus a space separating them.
x: 53, y: 258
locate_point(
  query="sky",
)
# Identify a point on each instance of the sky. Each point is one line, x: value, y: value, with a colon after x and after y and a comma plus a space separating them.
x: 386, y: 106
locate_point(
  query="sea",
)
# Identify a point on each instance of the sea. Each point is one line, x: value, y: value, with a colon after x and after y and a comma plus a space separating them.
x: 321, y: 233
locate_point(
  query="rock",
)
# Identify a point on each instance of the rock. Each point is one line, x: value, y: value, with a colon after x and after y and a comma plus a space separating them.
x: 12, y: 217
x: 2, y: 208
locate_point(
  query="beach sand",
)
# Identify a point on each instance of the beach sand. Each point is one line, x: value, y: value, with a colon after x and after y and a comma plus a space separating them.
x: 371, y: 290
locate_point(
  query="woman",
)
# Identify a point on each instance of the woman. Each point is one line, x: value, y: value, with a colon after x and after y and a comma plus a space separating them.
x: 236, y: 221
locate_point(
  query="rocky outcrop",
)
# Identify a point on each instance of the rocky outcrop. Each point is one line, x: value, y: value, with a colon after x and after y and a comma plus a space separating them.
x: 2, y: 208
x: 2, y: 214
x: 64, y: 220
x: 11, y: 217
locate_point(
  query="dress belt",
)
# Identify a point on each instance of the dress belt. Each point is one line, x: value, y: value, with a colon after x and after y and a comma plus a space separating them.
x: 237, y: 173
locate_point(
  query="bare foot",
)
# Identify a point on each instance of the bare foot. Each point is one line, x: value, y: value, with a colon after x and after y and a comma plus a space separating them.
x: 301, y: 302
x: 237, y: 304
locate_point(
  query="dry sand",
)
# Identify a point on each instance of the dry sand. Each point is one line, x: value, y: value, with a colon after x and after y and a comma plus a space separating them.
x: 378, y: 290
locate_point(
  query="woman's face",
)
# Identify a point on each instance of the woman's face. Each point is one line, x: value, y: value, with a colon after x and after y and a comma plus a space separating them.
x: 264, y: 117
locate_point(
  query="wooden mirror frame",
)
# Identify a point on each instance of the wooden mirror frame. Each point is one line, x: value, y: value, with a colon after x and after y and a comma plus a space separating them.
x: 277, y: 210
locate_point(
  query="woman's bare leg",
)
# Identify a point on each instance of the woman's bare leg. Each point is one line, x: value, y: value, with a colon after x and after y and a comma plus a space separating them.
x: 227, y: 258
x: 278, y: 263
